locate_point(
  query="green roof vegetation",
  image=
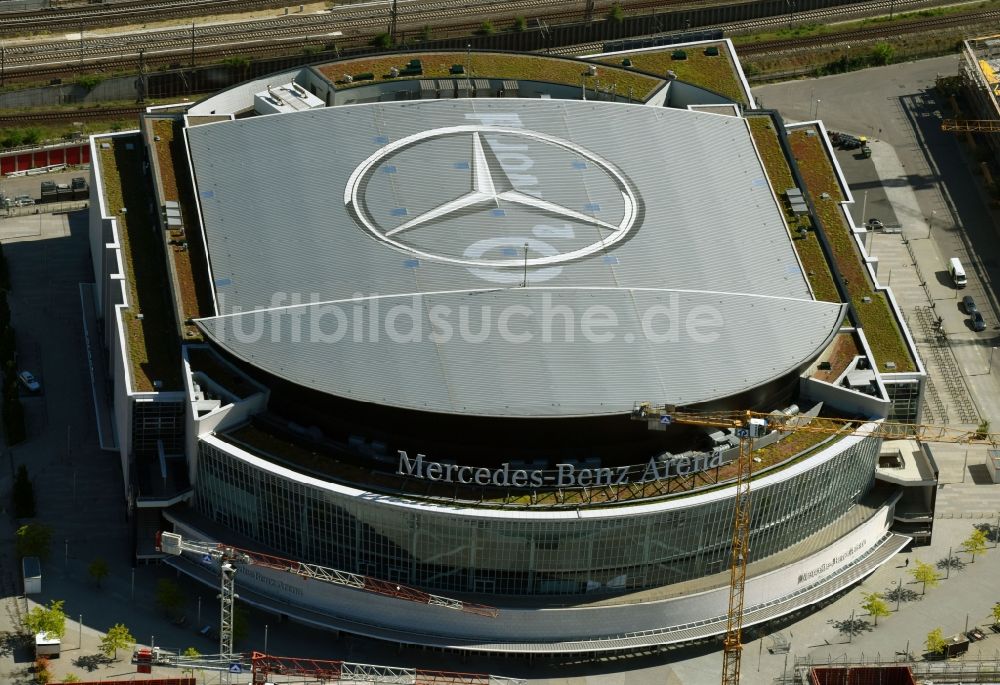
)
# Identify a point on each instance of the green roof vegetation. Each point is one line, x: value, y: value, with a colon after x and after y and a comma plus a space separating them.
x: 189, y: 264
x: 875, y: 316
x: 839, y: 355
x: 787, y: 451
x: 486, y: 65
x: 713, y: 72
x: 806, y: 243
x: 152, y: 340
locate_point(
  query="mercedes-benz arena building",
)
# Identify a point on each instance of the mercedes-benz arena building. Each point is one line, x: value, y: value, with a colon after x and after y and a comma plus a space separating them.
x: 433, y: 318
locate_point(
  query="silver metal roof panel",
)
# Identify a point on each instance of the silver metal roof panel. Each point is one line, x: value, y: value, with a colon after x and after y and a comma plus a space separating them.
x: 408, y: 229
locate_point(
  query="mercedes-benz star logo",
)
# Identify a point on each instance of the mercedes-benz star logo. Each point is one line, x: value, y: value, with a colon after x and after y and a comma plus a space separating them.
x: 492, y: 189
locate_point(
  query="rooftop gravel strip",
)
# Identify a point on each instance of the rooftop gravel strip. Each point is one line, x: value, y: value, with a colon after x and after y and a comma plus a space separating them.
x: 716, y: 73
x: 486, y: 65
x: 153, y: 346
x: 806, y: 244
x: 875, y: 316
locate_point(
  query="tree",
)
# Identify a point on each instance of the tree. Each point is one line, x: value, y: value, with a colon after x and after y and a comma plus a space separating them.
x: 875, y: 606
x: 190, y: 653
x: 43, y: 676
x: 23, y: 494
x: 616, y: 13
x: 34, y: 540
x: 169, y: 597
x: 925, y: 573
x: 382, y: 40
x: 486, y: 28
x: 32, y: 136
x: 117, y: 637
x: 12, y: 137
x: 98, y: 570
x: 70, y: 678
x: 975, y: 544
x: 520, y: 23
x: 882, y: 54
x: 425, y: 32
x: 51, y: 619
x: 935, y: 642
x: 996, y: 612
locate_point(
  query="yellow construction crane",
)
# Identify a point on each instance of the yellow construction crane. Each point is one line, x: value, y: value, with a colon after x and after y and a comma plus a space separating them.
x: 749, y: 426
x: 971, y: 125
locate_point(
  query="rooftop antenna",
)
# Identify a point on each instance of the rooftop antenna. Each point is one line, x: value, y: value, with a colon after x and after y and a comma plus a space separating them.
x: 524, y: 280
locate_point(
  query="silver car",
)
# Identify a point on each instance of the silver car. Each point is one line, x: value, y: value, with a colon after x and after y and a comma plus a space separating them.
x: 29, y: 381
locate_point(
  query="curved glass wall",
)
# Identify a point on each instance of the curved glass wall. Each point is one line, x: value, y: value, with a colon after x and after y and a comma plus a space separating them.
x: 458, y: 553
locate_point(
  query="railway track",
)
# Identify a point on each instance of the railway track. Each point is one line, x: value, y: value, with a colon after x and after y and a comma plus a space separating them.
x: 839, y: 13
x: 349, y: 23
x: 109, y: 14
x: 59, y: 116
x: 871, y: 34
x: 122, y: 13
x: 119, y: 53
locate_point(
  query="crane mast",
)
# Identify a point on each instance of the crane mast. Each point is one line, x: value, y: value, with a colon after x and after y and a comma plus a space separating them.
x: 750, y: 425
x: 229, y: 558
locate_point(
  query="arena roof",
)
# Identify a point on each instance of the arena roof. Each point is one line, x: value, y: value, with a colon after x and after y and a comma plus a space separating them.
x: 506, y: 257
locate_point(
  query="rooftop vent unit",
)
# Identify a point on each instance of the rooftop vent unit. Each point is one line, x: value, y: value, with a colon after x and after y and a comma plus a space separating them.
x: 671, y: 74
x: 891, y: 366
x: 592, y: 70
x: 394, y: 72
x: 348, y: 78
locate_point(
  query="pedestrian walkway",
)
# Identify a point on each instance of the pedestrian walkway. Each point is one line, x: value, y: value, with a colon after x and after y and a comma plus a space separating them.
x: 99, y: 383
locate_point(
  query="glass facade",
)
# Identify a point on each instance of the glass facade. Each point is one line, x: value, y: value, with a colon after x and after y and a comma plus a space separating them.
x: 447, y: 551
x: 154, y: 420
x: 904, y: 396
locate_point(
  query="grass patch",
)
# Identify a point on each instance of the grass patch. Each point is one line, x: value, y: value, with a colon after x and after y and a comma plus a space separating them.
x: 488, y: 64
x: 807, y: 245
x: 880, y: 326
x: 154, y: 351
x: 716, y: 73
x: 841, y: 353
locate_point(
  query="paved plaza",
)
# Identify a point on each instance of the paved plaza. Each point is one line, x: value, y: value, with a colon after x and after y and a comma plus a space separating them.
x: 917, y: 180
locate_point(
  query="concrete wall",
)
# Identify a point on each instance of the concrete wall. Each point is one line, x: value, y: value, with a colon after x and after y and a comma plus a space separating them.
x: 240, y: 97
x: 844, y: 399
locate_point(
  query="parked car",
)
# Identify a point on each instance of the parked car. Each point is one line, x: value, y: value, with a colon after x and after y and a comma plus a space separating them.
x: 978, y: 323
x: 875, y: 224
x: 969, y: 305
x: 29, y: 381
x: 24, y: 201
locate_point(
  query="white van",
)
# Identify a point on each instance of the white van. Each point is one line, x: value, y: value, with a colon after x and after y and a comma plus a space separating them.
x: 957, y: 272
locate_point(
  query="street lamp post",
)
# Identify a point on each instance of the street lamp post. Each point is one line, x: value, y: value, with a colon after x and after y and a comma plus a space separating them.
x: 816, y: 116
